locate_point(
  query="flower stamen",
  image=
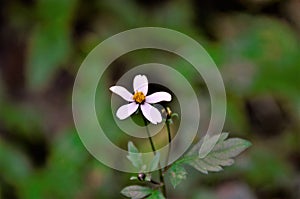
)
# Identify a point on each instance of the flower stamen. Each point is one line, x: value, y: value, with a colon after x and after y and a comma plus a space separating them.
x: 139, y: 97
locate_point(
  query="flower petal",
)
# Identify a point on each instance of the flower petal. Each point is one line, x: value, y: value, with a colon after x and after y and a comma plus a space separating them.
x: 158, y: 97
x: 122, y: 92
x: 127, y: 110
x: 140, y: 83
x: 151, y: 113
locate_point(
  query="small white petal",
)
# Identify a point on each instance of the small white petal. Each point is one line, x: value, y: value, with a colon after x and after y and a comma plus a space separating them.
x: 122, y: 92
x: 158, y: 97
x: 151, y: 113
x: 126, y: 110
x: 140, y: 83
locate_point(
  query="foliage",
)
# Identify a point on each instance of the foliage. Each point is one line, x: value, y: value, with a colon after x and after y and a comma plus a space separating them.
x: 50, y: 42
x: 177, y: 173
x: 135, y: 158
x: 221, y: 155
x: 43, y: 43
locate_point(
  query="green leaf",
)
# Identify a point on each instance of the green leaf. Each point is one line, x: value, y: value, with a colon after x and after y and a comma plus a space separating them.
x: 154, y: 163
x: 177, y: 173
x: 221, y: 155
x: 49, y: 48
x: 14, y: 165
x: 20, y: 119
x: 156, y: 194
x: 63, y: 173
x: 136, y: 191
x: 134, y: 156
x: 50, y: 42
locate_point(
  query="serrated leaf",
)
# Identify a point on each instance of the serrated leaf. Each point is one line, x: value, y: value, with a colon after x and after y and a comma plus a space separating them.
x: 136, y: 191
x: 221, y: 155
x: 209, y: 143
x: 132, y: 148
x: 156, y: 195
x: 230, y: 148
x: 177, y: 173
x: 134, y: 156
x: 199, y: 144
x: 154, y: 162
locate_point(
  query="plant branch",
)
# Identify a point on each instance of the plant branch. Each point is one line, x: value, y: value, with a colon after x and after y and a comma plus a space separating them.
x: 169, y: 140
x: 161, y: 177
x: 149, y: 136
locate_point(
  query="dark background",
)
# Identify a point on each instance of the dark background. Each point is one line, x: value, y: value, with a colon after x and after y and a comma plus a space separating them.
x: 255, y: 44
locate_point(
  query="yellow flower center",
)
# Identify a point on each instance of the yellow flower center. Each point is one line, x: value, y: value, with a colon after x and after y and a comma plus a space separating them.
x: 139, y: 97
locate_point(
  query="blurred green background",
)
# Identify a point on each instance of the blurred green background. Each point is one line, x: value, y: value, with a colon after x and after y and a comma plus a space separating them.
x: 255, y: 44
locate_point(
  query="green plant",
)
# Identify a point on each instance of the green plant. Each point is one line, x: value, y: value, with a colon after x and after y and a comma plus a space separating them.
x: 220, y: 155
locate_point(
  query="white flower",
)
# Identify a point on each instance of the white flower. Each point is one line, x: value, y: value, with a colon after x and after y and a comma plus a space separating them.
x: 140, y: 99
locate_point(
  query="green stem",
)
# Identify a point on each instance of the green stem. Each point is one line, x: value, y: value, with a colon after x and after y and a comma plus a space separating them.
x: 161, y: 177
x: 169, y: 140
x: 149, y: 136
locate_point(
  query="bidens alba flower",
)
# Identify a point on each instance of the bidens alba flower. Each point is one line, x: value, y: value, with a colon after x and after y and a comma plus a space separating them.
x: 140, y: 99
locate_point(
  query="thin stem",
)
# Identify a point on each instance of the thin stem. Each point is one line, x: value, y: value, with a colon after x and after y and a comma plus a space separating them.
x: 149, y: 136
x: 155, y: 183
x: 169, y: 140
x: 161, y: 177
x: 162, y: 180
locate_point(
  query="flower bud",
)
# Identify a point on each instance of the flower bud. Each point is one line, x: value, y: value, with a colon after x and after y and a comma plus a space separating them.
x: 141, y: 176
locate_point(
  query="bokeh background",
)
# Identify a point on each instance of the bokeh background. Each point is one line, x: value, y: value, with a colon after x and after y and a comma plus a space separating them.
x: 255, y: 44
